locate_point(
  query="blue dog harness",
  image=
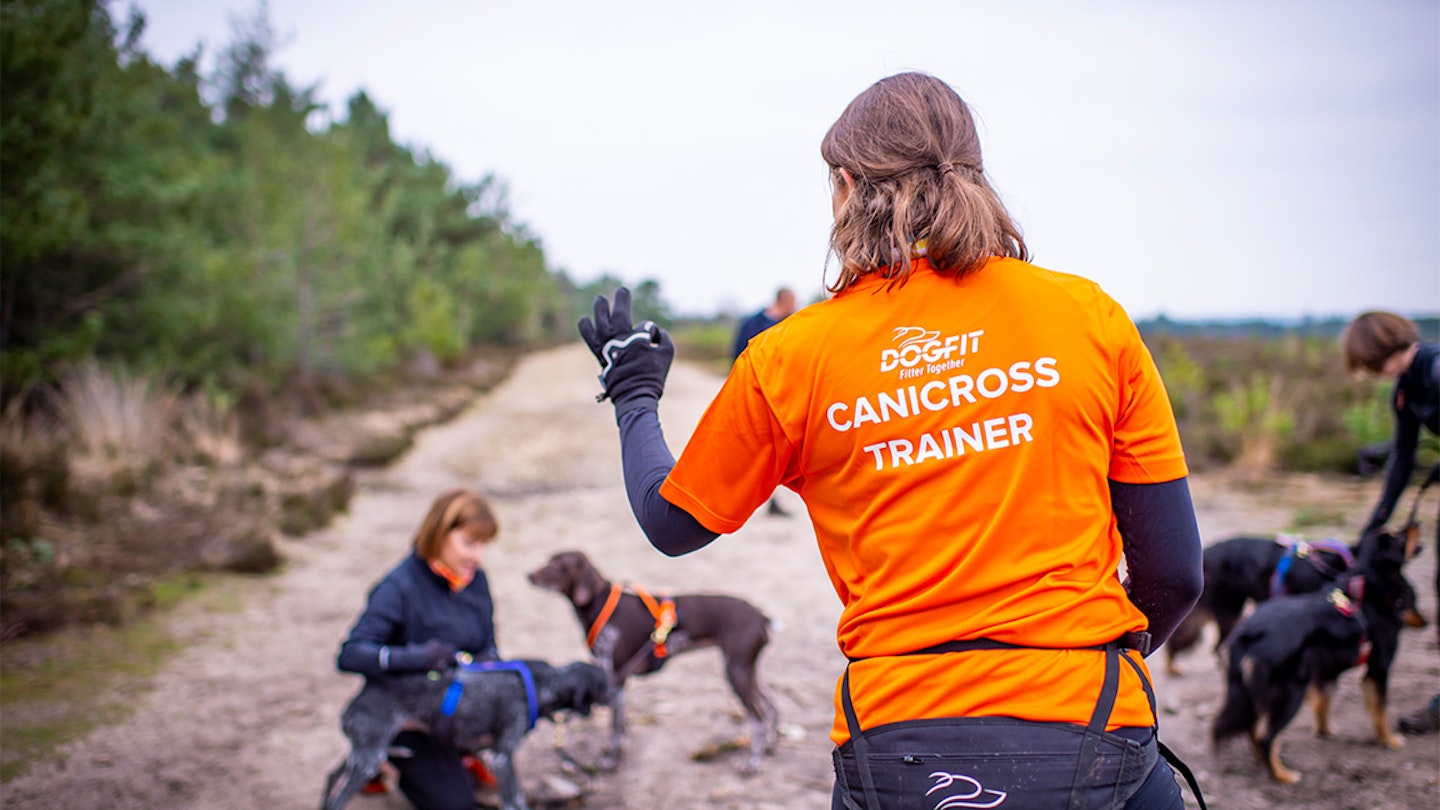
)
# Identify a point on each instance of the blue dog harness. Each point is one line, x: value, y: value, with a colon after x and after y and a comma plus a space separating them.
x: 466, y: 664
x: 1295, y: 548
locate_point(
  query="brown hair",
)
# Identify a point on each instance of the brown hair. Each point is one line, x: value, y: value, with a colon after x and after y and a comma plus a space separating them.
x: 1374, y: 337
x: 910, y: 146
x: 454, y: 508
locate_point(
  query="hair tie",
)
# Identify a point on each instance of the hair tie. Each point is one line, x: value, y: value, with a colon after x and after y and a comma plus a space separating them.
x: 945, y: 168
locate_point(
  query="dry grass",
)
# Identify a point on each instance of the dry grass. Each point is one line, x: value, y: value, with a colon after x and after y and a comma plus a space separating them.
x: 33, y: 472
x: 29, y: 440
x: 120, y: 483
x: 210, y: 430
x: 118, y: 423
x: 112, y: 482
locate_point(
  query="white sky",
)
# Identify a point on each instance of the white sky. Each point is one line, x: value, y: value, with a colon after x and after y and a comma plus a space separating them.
x: 1224, y: 158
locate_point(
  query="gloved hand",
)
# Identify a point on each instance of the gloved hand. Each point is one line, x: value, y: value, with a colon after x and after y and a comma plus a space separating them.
x: 634, y: 360
x: 431, y: 655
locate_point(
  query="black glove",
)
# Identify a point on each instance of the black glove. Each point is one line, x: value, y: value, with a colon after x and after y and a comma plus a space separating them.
x: 432, y: 655
x: 634, y: 360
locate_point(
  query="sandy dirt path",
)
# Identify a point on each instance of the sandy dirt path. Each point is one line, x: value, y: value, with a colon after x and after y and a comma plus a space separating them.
x: 246, y: 716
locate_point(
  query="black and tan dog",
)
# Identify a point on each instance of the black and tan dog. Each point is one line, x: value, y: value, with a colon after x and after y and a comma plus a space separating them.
x: 479, y: 707
x: 1294, y: 645
x: 632, y: 633
x: 1244, y: 570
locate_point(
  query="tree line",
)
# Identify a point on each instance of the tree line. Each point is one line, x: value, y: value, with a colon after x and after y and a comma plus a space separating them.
x: 227, y: 230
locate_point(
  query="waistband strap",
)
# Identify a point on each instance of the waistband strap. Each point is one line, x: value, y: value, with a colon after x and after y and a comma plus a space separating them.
x: 1138, y: 641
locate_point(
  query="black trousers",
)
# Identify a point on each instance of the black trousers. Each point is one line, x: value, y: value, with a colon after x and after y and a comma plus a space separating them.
x: 432, y: 777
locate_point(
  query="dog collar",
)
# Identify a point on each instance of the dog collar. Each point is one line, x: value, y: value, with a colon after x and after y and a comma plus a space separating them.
x: 467, y: 664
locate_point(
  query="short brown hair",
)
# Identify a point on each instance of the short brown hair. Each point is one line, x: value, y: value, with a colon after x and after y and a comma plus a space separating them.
x: 911, y: 148
x: 1374, y: 337
x: 454, y: 508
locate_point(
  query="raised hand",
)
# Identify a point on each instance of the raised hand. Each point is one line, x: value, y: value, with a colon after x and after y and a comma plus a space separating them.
x: 634, y: 358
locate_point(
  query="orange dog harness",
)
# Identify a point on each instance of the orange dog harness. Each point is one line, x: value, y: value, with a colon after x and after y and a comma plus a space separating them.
x: 663, y: 610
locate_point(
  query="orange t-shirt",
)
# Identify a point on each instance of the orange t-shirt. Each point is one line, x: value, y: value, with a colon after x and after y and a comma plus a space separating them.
x: 951, y: 441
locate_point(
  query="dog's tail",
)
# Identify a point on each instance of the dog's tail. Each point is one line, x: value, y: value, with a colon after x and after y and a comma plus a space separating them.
x: 1237, y: 714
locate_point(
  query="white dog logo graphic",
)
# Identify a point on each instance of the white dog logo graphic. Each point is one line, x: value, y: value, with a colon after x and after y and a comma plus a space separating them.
x: 977, y: 797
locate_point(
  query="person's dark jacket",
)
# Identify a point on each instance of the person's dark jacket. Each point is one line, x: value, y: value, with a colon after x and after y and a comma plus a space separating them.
x: 749, y: 328
x: 408, y: 610
x: 1416, y: 403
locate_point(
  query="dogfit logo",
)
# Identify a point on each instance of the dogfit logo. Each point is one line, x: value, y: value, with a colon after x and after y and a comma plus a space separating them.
x: 976, y: 795
x: 917, y: 345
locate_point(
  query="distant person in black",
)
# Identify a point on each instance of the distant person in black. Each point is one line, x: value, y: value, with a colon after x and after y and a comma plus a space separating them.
x: 754, y: 325
x: 764, y: 319
x: 1388, y: 345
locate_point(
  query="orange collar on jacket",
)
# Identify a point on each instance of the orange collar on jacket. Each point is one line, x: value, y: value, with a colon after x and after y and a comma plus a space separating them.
x: 457, y: 581
x: 662, y: 610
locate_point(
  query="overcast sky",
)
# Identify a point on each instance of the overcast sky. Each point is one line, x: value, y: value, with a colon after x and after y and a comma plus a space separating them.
x: 1224, y: 158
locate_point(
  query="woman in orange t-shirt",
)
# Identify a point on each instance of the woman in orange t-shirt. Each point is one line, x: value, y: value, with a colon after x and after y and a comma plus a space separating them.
x: 978, y: 441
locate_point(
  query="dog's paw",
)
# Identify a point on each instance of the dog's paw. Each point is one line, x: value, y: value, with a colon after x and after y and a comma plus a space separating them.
x: 1278, y: 771
x: 1285, y: 776
x: 1392, y: 741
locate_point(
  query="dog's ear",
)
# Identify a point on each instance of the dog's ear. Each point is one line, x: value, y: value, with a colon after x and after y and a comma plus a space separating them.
x: 582, y: 588
x: 582, y: 594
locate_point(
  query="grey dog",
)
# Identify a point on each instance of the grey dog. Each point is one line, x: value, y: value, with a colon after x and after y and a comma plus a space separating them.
x: 474, y: 709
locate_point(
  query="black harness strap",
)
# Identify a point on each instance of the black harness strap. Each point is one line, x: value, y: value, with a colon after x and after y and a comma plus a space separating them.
x: 862, y: 752
x: 1179, y: 764
x: 1138, y: 641
x: 1089, y: 758
x: 1170, y: 756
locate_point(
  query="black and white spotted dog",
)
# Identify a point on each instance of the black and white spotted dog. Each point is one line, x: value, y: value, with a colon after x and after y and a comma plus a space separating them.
x: 488, y: 706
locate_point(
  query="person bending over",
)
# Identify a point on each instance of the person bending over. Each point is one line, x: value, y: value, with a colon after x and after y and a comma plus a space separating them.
x: 1385, y: 344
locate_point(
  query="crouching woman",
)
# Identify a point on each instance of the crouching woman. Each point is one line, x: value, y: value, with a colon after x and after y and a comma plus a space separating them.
x: 435, y: 603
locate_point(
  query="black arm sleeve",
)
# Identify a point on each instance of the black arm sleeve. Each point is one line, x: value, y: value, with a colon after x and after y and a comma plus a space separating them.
x: 1162, y: 551
x: 647, y: 460
x: 1400, y: 469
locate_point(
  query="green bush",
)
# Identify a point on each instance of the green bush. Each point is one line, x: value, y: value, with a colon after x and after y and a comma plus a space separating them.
x: 707, y: 342
x: 1269, y: 401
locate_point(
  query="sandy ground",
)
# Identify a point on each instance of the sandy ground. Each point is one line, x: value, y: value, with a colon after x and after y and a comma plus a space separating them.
x: 246, y: 716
